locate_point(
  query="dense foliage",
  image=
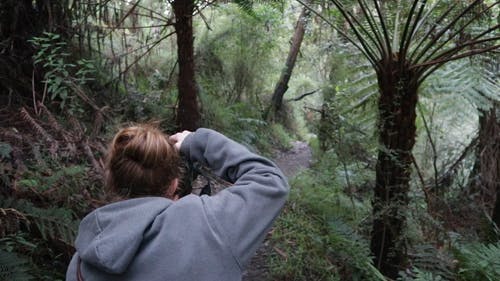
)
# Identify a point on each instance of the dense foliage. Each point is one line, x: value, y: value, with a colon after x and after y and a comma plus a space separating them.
x: 72, y: 72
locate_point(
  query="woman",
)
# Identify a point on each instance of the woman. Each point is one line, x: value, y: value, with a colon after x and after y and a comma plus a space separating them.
x: 150, y: 235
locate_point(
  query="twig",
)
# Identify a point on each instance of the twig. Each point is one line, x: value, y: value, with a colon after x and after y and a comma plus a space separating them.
x: 136, y: 27
x: 90, y: 155
x: 44, y: 92
x: 172, y: 72
x: 280, y: 252
x: 433, y: 146
x: 33, y: 91
x: 203, y: 18
x: 146, y: 52
x: 128, y: 13
x: 313, y: 109
x: 422, y: 181
x: 302, y: 96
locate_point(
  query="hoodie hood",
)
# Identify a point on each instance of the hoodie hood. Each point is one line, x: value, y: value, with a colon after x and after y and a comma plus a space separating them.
x: 106, y: 242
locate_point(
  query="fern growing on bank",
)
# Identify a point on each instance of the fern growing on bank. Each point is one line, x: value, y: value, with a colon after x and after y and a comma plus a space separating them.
x: 479, y: 262
x: 50, y: 223
x: 13, y: 267
x: 320, y: 235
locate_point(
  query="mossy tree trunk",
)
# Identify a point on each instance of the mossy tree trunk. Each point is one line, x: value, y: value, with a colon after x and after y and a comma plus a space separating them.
x: 397, y: 113
x: 188, y: 113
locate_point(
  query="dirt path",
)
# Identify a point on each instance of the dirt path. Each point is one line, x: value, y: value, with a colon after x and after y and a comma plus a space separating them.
x: 291, y: 162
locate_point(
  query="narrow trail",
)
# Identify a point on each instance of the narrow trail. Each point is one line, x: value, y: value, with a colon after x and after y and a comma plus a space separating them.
x: 291, y: 162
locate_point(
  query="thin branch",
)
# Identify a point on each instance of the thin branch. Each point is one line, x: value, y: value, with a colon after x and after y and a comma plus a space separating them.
x: 371, y: 22
x: 128, y: 13
x: 422, y: 181
x: 146, y: 52
x: 207, y: 4
x: 135, y: 27
x: 423, y: 19
x: 303, y: 96
x: 461, y: 29
x: 366, y: 50
x: 462, y: 156
x: 354, y: 24
x: 161, y: 16
x: 452, y: 51
x: 313, y: 109
x: 153, y: 12
x: 446, y: 29
x: 404, y: 51
x: 362, y: 40
x: 384, y: 28
x: 204, y: 19
x: 347, y: 37
x: 433, y: 146
x: 172, y: 72
x: 430, y: 31
x: 34, y: 92
x: 439, y: 63
x: 406, y: 28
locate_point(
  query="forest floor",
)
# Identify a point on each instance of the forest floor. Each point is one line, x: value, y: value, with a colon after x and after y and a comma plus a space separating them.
x: 291, y: 162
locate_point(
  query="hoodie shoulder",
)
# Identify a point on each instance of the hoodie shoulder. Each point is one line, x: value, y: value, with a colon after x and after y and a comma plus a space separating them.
x: 110, y: 236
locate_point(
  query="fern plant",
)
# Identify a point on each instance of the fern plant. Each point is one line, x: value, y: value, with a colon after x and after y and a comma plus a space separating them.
x: 13, y: 267
x: 420, y: 275
x: 479, y: 262
x: 51, y: 223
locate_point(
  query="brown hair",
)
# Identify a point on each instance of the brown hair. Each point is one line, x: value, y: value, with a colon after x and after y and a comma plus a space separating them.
x: 141, y: 162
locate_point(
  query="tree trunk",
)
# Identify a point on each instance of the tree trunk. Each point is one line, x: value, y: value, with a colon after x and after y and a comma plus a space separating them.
x: 282, y: 85
x: 397, y: 113
x: 188, y: 114
x: 489, y: 155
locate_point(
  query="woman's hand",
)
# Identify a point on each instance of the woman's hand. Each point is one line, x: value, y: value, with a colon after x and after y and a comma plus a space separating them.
x: 178, y: 138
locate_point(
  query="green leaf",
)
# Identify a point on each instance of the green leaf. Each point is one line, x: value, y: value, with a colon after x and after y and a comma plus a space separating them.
x: 5, y: 150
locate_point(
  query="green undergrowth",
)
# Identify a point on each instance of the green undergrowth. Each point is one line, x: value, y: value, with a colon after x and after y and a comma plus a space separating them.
x: 321, y: 234
x: 243, y: 122
x: 324, y: 234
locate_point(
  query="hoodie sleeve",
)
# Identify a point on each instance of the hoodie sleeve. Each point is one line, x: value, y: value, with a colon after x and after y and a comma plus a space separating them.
x: 243, y: 213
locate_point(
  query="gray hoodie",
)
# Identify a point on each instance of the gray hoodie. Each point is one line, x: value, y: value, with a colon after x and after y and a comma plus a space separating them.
x: 209, y: 238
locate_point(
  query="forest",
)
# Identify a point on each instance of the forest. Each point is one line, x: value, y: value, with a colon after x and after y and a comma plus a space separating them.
x: 399, y: 102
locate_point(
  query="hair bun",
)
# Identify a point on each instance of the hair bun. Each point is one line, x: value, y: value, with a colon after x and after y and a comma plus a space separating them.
x: 141, y: 158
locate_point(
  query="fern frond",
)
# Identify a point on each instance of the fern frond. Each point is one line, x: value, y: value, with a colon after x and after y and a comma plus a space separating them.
x: 13, y: 267
x: 431, y: 262
x: 52, y: 223
x: 53, y: 123
x: 35, y: 126
x: 420, y: 275
x: 479, y: 261
x: 355, y: 250
x: 10, y: 219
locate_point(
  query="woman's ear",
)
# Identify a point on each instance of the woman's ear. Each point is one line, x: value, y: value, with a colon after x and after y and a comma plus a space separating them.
x: 172, y: 188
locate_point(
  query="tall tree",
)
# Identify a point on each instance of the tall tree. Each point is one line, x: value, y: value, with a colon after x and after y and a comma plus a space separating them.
x: 282, y: 84
x: 404, y: 49
x: 188, y: 113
